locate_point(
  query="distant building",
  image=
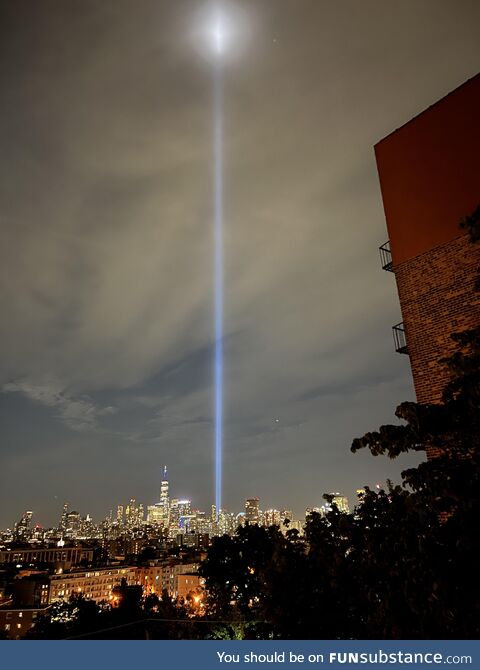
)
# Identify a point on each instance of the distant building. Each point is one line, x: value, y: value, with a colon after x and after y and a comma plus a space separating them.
x: 252, y: 510
x: 286, y: 514
x: 227, y: 523
x: 240, y: 519
x: 15, y: 622
x: 134, y: 515
x: 127, y: 595
x: 22, y: 528
x: 189, y: 584
x: 341, y: 502
x: 272, y: 517
x: 312, y: 510
x: 72, y: 524
x: 94, y: 585
x: 429, y: 175
x: 32, y: 591
x: 156, y: 514
x: 164, y: 494
x: 162, y: 576
x: 60, y: 557
x: 63, y: 518
x: 29, y: 599
x: 119, y: 516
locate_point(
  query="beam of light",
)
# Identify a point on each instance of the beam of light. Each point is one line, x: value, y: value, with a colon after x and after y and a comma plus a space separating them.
x: 218, y: 236
x: 218, y: 36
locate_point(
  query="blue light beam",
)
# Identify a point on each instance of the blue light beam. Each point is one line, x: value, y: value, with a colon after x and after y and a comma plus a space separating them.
x: 218, y: 234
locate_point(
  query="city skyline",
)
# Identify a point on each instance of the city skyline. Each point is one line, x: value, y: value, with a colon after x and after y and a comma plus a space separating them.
x: 164, y: 500
x: 106, y: 337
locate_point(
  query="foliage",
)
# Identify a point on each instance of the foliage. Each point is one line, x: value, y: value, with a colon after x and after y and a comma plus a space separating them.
x: 65, y: 618
x: 471, y: 224
x: 78, y: 617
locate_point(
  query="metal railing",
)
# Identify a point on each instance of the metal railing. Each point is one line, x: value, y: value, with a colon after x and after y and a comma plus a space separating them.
x: 386, y: 257
x: 399, y: 338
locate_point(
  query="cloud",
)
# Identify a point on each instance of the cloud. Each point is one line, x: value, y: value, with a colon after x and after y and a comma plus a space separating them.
x: 78, y: 413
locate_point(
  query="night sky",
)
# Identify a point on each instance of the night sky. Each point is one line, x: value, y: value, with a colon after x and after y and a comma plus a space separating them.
x: 106, y: 261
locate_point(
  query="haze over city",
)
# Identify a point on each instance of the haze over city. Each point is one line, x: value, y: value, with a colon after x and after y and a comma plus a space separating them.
x: 106, y: 257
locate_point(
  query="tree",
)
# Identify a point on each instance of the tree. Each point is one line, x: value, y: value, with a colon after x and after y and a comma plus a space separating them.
x: 66, y: 618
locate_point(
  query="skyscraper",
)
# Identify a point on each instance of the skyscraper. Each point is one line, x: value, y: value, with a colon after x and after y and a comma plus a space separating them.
x: 63, y: 518
x: 119, y: 517
x: 72, y: 524
x: 272, y: 517
x: 164, y: 496
x: 252, y: 510
x: 341, y: 502
x: 160, y: 512
x: 22, y: 527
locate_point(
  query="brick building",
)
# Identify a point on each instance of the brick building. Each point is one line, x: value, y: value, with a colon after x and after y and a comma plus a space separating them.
x: 15, y: 622
x: 167, y: 576
x: 429, y: 171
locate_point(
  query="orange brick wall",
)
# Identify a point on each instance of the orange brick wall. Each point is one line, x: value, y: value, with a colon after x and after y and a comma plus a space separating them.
x: 437, y: 298
x: 429, y: 172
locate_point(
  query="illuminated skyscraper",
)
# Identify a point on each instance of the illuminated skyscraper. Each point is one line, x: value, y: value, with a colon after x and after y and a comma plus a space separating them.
x: 272, y: 517
x: 252, y: 510
x: 63, y: 518
x: 184, y: 507
x: 174, y: 512
x: 227, y: 523
x: 155, y: 514
x: 341, y: 502
x: 160, y: 512
x: 72, y: 525
x: 133, y: 514
x: 120, y: 515
x: 164, y: 499
x: 312, y: 510
x: 22, y: 528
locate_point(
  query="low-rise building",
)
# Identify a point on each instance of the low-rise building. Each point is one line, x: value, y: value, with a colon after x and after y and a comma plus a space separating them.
x: 189, y: 584
x: 164, y: 576
x: 65, y: 557
x: 94, y: 585
x: 15, y: 622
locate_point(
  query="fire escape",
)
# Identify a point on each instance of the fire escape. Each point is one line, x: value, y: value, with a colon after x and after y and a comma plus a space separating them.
x: 398, y: 330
